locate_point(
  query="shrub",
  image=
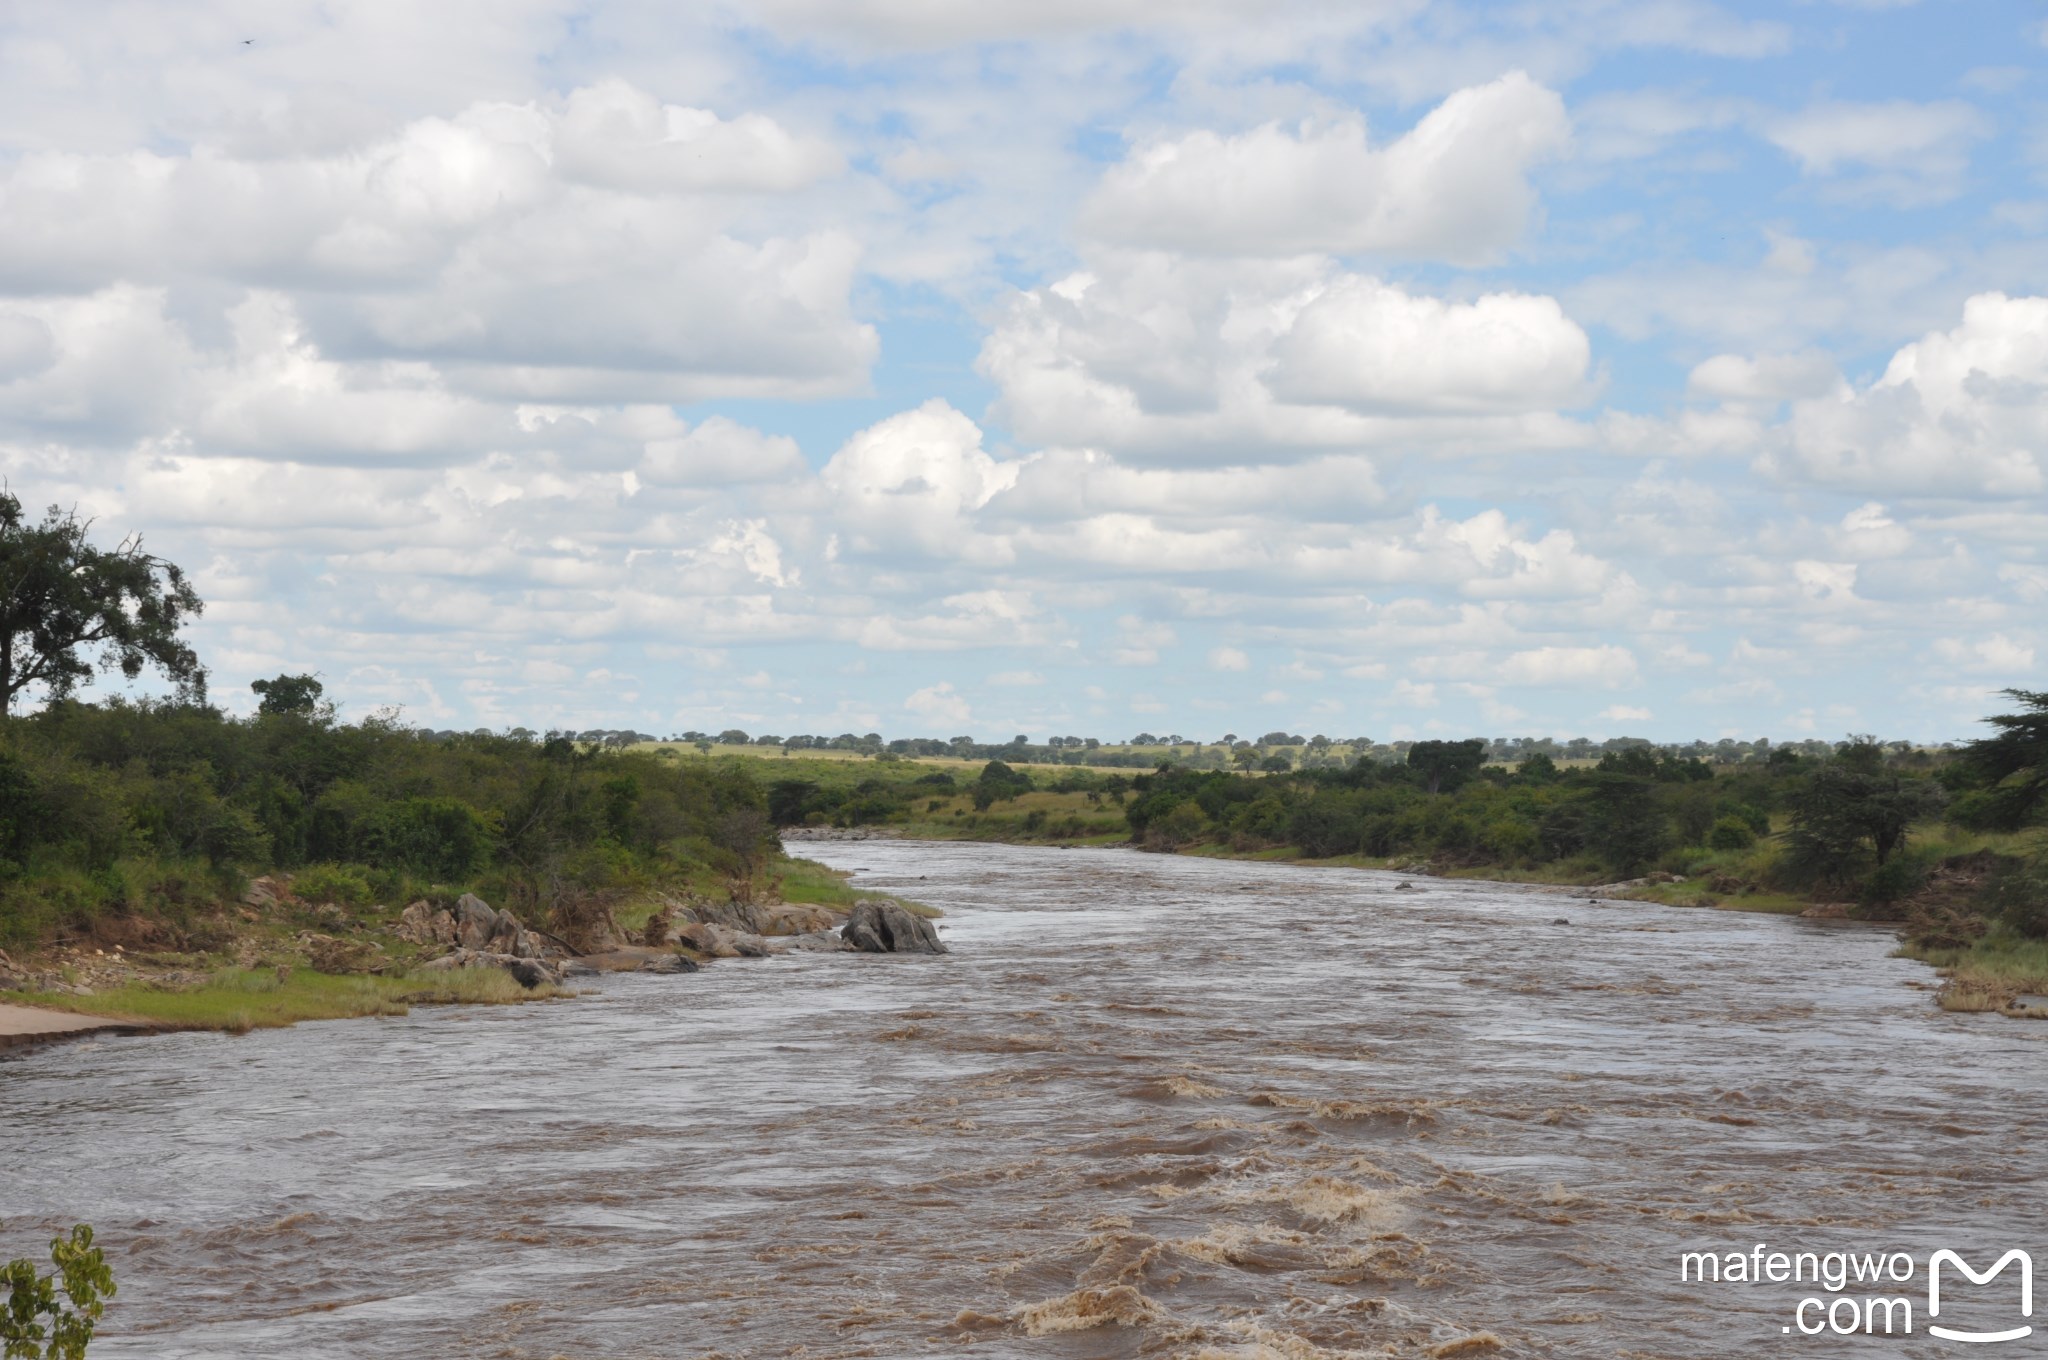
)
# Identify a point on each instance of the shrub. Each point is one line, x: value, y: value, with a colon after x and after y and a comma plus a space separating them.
x: 2020, y: 896
x: 1731, y: 833
x: 1324, y: 830
x: 344, y: 885
x: 441, y: 838
x: 1897, y: 878
x: 1183, y: 824
x: 71, y: 1297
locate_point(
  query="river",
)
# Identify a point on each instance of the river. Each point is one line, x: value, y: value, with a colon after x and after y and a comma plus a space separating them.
x: 1149, y: 1105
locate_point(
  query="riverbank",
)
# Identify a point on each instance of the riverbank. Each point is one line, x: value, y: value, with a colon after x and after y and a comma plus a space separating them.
x: 265, y: 968
x: 21, y: 1026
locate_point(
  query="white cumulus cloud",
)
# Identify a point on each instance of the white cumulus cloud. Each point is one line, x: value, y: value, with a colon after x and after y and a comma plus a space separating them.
x: 1453, y: 187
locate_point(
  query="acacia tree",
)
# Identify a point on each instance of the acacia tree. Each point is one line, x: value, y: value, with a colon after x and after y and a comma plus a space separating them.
x: 68, y: 608
x: 2014, y: 764
x: 1854, y: 801
x: 1447, y: 764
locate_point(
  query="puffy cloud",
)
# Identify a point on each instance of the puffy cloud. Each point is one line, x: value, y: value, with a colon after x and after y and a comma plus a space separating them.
x: 1957, y: 412
x: 27, y: 346
x: 581, y: 251
x: 1162, y: 359
x: 721, y: 452
x: 941, y: 704
x: 1899, y: 150
x: 910, y: 484
x: 1994, y: 655
x: 1364, y: 345
x: 1764, y: 377
x: 1454, y: 187
x: 934, y: 23
x: 1605, y: 666
x: 1141, y: 641
x: 623, y: 138
x: 750, y: 544
x: 1229, y: 659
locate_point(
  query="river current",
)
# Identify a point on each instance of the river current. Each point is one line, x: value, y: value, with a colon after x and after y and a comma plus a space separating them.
x: 1148, y: 1105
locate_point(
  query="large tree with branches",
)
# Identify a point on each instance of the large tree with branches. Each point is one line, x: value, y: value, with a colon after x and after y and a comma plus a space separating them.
x: 68, y: 608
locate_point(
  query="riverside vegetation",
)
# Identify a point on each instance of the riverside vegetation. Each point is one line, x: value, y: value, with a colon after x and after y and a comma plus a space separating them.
x: 1949, y: 843
x: 131, y: 832
x: 136, y: 826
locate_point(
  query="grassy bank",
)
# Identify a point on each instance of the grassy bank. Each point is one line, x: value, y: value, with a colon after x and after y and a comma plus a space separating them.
x: 237, y: 1000
x: 1989, y: 974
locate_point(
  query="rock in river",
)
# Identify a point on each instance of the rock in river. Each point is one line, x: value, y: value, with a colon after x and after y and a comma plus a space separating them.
x: 528, y: 972
x: 884, y: 927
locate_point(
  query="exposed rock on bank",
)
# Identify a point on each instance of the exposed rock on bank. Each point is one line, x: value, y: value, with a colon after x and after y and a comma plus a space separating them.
x: 472, y: 924
x: 884, y: 927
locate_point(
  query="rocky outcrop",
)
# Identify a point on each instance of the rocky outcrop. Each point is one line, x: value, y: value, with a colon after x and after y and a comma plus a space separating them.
x: 672, y: 923
x: 820, y: 942
x: 723, y: 942
x: 326, y: 954
x: 885, y: 927
x: 799, y: 918
x: 11, y: 978
x: 266, y: 892
x: 472, y: 924
x: 529, y: 972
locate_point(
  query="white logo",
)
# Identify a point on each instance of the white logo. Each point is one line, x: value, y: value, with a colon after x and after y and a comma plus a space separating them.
x: 1934, y: 1293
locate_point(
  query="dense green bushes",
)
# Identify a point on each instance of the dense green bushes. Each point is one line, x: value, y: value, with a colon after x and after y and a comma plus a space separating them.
x: 1632, y: 812
x: 163, y: 810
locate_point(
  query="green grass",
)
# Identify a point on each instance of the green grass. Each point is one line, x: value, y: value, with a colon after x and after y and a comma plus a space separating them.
x: 1990, y: 973
x: 811, y: 883
x: 238, y: 1000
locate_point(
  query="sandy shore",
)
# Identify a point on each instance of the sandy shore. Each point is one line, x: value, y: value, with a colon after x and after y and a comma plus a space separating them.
x: 28, y: 1025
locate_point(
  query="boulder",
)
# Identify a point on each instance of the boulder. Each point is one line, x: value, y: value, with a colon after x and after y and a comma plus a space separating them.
x: 266, y: 892
x: 531, y: 973
x: 798, y: 918
x: 474, y: 921
x: 746, y: 917
x: 884, y: 927
x: 528, y: 972
x: 821, y: 942
x: 419, y: 923
x: 669, y: 963
x: 723, y: 942
x: 328, y: 955
x: 508, y: 936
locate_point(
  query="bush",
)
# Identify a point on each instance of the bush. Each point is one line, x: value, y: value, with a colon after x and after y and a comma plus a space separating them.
x: 1731, y: 833
x: 71, y: 1297
x: 1324, y: 830
x: 439, y: 838
x: 1899, y: 877
x: 1183, y: 824
x: 2020, y: 896
x: 345, y: 885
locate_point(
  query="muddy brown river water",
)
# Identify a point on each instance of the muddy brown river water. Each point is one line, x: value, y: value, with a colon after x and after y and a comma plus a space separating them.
x: 1148, y: 1106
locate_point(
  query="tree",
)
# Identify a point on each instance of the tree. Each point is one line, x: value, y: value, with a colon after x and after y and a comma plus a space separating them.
x: 1627, y: 828
x: 298, y: 694
x: 1854, y: 801
x: 1447, y: 763
x: 2014, y: 763
x: 62, y: 600
x: 72, y: 1298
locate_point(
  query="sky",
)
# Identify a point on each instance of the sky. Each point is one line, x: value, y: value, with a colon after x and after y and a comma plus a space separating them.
x: 1059, y: 367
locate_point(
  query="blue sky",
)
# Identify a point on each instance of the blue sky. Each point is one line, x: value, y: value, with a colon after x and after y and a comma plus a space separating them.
x: 1378, y: 369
